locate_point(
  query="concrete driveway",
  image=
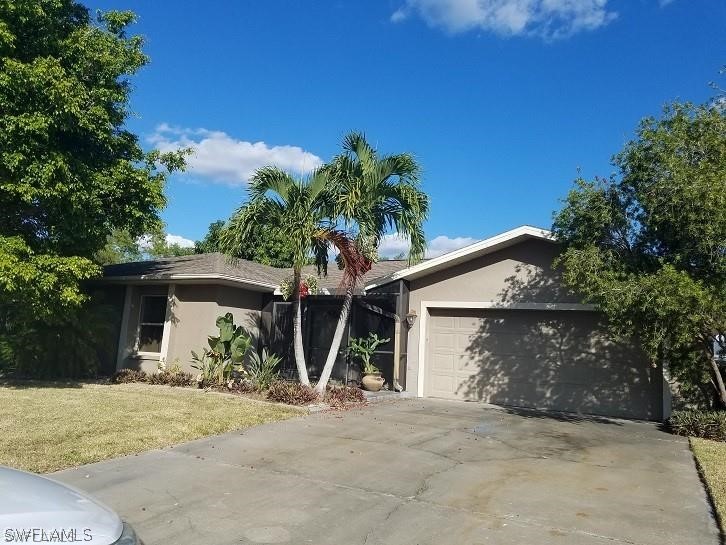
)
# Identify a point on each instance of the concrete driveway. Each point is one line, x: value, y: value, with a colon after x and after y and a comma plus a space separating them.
x: 414, y: 472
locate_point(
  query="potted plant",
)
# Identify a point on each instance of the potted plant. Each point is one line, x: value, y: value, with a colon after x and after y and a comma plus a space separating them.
x: 364, y: 348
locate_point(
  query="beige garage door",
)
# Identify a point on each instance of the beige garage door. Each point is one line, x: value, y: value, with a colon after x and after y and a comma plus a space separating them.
x: 559, y: 360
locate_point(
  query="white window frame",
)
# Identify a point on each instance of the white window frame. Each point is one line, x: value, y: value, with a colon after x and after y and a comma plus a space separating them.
x: 164, y: 333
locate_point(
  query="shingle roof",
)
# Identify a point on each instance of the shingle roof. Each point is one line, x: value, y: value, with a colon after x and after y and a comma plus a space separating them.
x: 335, y: 276
x: 218, y: 266
x: 198, y: 265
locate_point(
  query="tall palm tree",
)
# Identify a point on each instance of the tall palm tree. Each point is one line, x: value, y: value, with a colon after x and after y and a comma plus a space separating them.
x: 373, y: 195
x: 301, y: 210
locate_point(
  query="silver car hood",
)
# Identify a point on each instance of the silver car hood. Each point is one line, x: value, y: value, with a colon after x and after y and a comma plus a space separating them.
x: 31, y: 503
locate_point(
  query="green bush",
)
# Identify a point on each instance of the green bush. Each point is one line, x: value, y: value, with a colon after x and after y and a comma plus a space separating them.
x: 291, y: 393
x: 262, y: 369
x: 75, y: 344
x: 125, y: 376
x: 696, y: 423
x: 218, y: 364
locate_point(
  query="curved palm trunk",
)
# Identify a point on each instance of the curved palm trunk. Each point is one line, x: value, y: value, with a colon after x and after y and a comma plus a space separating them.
x: 718, y: 382
x: 302, y: 370
x: 337, y: 339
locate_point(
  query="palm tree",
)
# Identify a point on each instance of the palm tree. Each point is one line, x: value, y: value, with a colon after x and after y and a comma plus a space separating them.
x: 373, y: 195
x: 301, y: 211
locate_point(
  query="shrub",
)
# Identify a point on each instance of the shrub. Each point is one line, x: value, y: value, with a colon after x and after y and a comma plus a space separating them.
x: 124, y: 376
x: 218, y: 364
x: 291, y: 393
x: 364, y: 348
x: 340, y: 396
x: 241, y: 386
x: 697, y: 423
x: 262, y: 369
x: 172, y: 379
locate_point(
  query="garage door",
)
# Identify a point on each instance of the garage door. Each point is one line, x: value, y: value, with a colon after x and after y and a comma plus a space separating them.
x: 559, y: 360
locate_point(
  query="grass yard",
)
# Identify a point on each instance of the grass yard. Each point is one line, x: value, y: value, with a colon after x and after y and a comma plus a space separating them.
x: 46, y: 428
x: 711, y: 457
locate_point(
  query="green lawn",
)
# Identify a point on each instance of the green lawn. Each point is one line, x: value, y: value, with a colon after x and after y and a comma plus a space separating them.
x: 46, y: 428
x: 711, y: 457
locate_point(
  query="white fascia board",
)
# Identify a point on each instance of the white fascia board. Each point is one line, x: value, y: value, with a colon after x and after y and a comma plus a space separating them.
x: 466, y: 253
x: 196, y: 278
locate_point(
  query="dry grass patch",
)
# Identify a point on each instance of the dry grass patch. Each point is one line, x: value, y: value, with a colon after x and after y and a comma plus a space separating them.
x: 711, y: 458
x: 46, y: 428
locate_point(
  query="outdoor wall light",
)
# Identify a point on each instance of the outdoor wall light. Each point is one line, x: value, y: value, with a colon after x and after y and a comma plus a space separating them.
x: 411, y: 318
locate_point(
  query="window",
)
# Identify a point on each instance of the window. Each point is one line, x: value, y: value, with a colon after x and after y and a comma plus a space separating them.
x: 151, y: 323
x: 719, y: 348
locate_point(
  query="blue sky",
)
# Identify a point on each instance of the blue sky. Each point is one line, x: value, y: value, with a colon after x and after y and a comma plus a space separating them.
x: 501, y: 101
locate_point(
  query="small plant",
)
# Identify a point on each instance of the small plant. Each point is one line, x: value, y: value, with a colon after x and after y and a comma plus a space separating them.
x: 173, y: 369
x: 125, y: 376
x: 225, y: 354
x: 262, y: 369
x: 308, y: 286
x: 697, y: 423
x: 364, y: 348
x: 171, y: 379
x: 291, y: 393
x: 342, y: 396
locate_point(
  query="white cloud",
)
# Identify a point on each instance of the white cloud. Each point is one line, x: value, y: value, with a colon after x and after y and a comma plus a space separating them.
x: 144, y: 242
x: 180, y: 241
x: 549, y: 19
x: 392, y: 245
x: 395, y: 244
x: 222, y: 158
x: 443, y: 245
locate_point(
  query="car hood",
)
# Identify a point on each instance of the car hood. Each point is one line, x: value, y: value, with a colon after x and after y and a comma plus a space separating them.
x: 43, y: 507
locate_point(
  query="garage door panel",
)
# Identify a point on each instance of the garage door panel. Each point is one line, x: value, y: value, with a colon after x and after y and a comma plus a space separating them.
x: 443, y: 322
x: 545, y: 359
x: 443, y: 384
x: 443, y: 362
x: 444, y: 341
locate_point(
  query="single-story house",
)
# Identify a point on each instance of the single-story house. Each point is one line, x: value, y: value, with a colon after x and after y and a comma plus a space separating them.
x: 489, y: 322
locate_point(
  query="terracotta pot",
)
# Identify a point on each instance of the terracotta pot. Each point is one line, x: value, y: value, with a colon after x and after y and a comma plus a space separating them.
x: 372, y: 382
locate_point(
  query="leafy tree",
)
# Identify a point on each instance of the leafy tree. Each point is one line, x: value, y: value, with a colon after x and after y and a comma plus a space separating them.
x: 210, y: 242
x: 158, y: 247
x: 648, y: 246
x: 70, y: 173
x: 373, y: 194
x: 263, y: 245
x: 301, y: 211
x: 120, y: 247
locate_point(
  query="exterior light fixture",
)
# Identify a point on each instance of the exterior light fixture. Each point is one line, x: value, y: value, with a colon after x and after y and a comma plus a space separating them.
x: 411, y: 318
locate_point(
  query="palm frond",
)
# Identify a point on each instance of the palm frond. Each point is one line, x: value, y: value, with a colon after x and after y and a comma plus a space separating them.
x: 355, y: 264
x: 271, y: 179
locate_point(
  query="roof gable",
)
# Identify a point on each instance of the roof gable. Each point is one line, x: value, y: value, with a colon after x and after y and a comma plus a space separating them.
x: 483, y: 247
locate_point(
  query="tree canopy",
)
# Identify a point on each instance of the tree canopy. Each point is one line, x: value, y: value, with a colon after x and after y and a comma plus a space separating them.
x: 261, y: 244
x: 648, y: 245
x: 71, y: 174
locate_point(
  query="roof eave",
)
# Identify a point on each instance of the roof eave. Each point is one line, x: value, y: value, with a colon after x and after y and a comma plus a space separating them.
x: 225, y: 279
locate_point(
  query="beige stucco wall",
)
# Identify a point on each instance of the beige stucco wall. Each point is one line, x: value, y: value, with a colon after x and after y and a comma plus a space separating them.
x: 518, y: 274
x: 194, y: 312
x: 191, y: 319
